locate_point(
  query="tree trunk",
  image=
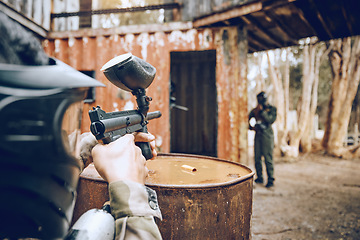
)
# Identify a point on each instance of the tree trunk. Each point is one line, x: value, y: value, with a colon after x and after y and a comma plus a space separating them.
x: 281, y: 99
x: 283, y: 139
x: 260, y: 81
x: 317, y: 55
x: 303, y: 135
x: 344, y: 59
x: 304, y: 105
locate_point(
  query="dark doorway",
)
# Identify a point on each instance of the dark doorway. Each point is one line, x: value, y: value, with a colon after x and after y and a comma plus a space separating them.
x: 193, y: 103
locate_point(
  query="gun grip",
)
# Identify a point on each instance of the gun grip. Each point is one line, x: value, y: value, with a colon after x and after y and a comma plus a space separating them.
x: 145, y: 149
x: 145, y: 146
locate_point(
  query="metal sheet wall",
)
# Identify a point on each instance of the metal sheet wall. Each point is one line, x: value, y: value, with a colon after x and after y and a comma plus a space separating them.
x: 90, y: 49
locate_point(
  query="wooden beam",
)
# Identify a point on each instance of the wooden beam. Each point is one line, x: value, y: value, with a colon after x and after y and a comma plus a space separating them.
x: 303, y: 18
x: 122, y: 30
x: 346, y: 17
x: 117, y: 10
x: 259, y: 42
x: 270, y: 4
x: 282, y: 26
x: 321, y: 19
x: 228, y: 14
x: 257, y: 26
x: 23, y: 20
x: 251, y: 47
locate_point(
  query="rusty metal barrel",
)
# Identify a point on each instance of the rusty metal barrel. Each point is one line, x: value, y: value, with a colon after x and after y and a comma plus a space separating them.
x: 200, y: 197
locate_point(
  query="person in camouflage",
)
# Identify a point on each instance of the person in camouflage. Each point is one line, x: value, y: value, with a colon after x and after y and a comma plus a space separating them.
x: 133, y: 205
x: 28, y: 77
x: 265, y: 116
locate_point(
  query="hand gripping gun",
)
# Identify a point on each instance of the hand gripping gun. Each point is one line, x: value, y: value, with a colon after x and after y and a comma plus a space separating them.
x: 132, y: 74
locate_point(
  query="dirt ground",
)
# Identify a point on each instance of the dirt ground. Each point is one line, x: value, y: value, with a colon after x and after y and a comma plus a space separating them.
x: 315, y: 197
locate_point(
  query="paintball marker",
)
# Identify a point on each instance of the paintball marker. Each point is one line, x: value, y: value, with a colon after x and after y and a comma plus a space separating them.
x: 132, y: 74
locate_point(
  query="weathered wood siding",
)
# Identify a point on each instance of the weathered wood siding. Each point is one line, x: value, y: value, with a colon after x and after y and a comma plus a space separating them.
x: 90, y: 50
x: 66, y: 23
x: 192, y: 9
x: 36, y: 10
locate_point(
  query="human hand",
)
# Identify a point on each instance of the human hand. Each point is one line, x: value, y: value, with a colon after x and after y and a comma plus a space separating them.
x: 252, y: 123
x: 87, y: 142
x: 120, y: 160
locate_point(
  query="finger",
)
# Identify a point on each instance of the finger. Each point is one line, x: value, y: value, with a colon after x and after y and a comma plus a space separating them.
x: 124, y: 140
x: 138, y: 155
x: 87, y: 143
x: 154, y: 152
x: 144, y: 137
x: 129, y: 137
x: 152, y: 145
x: 146, y: 171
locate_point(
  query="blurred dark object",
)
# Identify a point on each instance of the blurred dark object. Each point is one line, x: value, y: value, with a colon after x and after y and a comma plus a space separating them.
x: 18, y: 45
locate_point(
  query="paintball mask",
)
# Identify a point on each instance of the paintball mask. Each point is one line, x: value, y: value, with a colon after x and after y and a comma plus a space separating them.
x: 40, y: 115
x: 261, y: 98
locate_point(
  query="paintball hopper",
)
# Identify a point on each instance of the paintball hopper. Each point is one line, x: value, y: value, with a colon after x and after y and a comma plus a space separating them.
x: 129, y: 72
x: 133, y: 74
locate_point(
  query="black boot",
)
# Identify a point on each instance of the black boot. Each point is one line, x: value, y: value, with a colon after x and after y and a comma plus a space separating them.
x: 270, y: 184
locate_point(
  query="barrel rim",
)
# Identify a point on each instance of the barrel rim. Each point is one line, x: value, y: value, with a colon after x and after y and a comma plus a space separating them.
x: 87, y: 177
x: 198, y: 186
x: 210, y: 185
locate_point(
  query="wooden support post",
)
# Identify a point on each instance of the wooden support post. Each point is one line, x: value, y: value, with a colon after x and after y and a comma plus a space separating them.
x: 242, y: 94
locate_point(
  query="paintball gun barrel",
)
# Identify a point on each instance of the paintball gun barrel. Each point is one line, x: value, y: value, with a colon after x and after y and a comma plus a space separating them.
x: 107, y: 127
x: 133, y: 74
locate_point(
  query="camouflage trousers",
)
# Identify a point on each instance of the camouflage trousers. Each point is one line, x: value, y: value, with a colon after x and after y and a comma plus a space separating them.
x: 263, y: 148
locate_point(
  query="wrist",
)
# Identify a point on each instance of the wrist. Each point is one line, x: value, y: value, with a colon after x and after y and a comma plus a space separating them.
x: 111, y: 178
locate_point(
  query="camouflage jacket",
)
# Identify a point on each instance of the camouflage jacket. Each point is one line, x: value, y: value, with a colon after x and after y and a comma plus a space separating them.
x: 134, y: 207
x: 264, y: 119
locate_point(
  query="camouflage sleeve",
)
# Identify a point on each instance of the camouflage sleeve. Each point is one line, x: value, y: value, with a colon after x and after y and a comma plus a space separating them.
x: 251, y: 114
x: 269, y: 114
x: 134, y: 207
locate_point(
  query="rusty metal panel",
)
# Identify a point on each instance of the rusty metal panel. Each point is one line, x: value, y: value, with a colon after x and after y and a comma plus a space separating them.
x: 90, y: 50
x: 194, y: 213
